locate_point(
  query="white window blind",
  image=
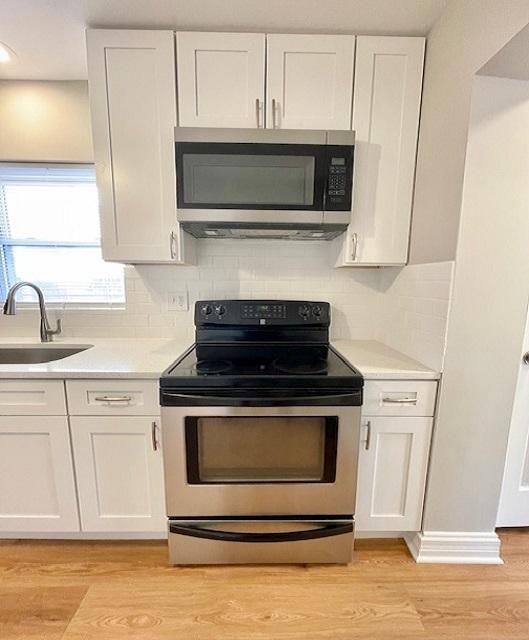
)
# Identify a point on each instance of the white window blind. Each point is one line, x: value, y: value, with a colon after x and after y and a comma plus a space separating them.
x: 49, y: 235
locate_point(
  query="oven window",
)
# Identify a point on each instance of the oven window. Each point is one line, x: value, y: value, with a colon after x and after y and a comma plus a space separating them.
x: 252, y: 180
x: 246, y: 450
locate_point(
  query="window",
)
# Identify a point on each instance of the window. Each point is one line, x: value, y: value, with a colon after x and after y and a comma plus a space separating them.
x: 49, y: 235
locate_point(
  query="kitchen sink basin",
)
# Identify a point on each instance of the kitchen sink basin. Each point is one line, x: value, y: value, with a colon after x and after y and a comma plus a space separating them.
x: 34, y: 354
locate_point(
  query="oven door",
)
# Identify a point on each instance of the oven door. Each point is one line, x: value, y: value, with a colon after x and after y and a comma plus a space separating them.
x: 260, y: 461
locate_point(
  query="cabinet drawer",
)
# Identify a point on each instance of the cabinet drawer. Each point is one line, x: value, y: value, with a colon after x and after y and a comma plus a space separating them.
x: 32, y: 397
x: 399, y: 398
x: 112, y: 397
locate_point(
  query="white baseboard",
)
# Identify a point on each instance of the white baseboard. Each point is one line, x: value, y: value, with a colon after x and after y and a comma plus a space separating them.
x: 376, y: 535
x: 455, y: 547
x: 83, y: 535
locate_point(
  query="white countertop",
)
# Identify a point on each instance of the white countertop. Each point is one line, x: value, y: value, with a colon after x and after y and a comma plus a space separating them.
x: 147, y: 358
x: 376, y: 360
x: 107, y: 358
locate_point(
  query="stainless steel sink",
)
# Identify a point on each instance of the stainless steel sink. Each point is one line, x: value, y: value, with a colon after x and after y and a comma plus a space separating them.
x: 34, y: 354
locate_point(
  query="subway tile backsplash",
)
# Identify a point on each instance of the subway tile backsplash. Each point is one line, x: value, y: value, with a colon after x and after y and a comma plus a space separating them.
x: 406, y: 308
x: 415, y: 303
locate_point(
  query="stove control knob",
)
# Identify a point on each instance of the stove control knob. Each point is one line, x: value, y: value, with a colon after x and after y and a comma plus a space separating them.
x: 220, y: 310
x: 317, y: 311
x: 304, y: 311
x: 206, y: 310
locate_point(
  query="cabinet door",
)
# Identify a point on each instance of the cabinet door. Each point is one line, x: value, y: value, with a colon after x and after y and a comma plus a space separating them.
x: 37, y: 487
x: 119, y: 473
x: 309, y: 81
x: 220, y: 79
x: 392, y: 466
x: 387, y: 96
x: 131, y: 77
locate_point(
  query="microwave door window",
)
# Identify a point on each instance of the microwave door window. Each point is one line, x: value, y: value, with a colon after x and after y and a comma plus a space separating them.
x: 248, y: 181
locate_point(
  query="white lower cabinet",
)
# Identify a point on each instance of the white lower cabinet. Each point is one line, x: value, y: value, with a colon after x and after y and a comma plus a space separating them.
x: 118, y: 462
x: 392, y: 468
x: 37, y: 487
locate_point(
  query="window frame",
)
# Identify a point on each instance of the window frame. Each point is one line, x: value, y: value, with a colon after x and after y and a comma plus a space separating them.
x: 61, y: 173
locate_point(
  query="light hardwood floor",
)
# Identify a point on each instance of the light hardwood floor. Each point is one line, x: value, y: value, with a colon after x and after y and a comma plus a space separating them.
x: 51, y: 590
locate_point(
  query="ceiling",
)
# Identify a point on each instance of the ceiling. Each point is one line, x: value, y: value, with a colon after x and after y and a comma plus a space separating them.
x: 48, y: 35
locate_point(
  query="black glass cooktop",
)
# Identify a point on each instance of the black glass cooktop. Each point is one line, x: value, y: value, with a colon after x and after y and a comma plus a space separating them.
x: 211, y: 364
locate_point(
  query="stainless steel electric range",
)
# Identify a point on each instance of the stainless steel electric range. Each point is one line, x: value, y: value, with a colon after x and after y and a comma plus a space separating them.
x: 260, y: 426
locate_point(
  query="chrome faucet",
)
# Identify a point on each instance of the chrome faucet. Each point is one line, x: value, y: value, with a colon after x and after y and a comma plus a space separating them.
x: 10, y: 308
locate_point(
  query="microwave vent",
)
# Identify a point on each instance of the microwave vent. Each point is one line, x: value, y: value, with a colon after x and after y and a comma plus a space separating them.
x: 261, y: 232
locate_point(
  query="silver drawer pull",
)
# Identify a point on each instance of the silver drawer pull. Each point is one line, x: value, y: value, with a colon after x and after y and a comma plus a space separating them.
x: 172, y: 244
x: 354, y: 248
x: 154, y: 439
x: 258, y: 109
x: 275, y: 114
x: 113, y: 399
x: 400, y: 400
x: 368, y: 435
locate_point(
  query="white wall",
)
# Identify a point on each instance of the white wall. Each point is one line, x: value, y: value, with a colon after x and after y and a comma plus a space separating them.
x: 467, y: 34
x: 487, y: 316
x: 44, y: 121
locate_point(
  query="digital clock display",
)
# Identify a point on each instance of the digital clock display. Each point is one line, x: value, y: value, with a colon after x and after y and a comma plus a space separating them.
x: 264, y: 311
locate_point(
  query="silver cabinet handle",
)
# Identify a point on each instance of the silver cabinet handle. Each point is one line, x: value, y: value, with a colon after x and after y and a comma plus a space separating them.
x: 275, y: 119
x: 154, y: 440
x: 258, y: 111
x: 368, y: 435
x: 354, y: 246
x: 525, y: 357
x: 172, y: 240
x: 113, y: 398
x: 400, y: 400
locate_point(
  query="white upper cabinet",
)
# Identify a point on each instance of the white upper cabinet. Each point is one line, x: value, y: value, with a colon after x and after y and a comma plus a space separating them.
x: 131, y: 77
x: 309, y: 81
x: 386, y: 105
x: 220, y: 79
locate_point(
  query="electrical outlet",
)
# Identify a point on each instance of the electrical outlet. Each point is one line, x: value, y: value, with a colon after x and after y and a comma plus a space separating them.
x: 177, y: 301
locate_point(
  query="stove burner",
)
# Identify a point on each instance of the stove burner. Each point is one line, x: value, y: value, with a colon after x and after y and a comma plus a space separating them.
x: 212, y: 366
x: 318, y: 365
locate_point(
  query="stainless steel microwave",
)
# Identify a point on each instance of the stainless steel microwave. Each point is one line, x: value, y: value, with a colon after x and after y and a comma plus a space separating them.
x: 264, y: 183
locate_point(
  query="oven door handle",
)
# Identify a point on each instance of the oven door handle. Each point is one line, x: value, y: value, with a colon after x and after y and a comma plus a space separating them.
x: 326, y: 531
x: 271, y: 399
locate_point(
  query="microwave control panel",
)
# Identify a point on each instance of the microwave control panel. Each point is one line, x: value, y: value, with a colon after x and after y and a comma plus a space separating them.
x: 339, y: 179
